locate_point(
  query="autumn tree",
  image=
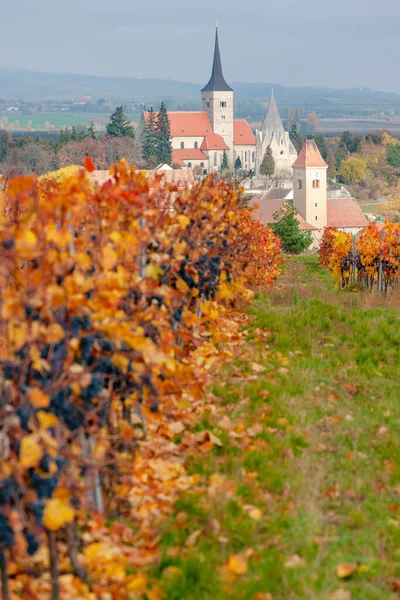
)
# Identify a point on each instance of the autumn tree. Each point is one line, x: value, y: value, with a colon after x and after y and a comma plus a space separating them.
x: 116, y: 148
x: 353, y: 170
x: 33, y: 158
x: 267, y: 166
x: 297, y: 118
x: 313, y: 122
x: 4, y: 144
x: 331, y: 162
x: 74, y: 153
x: 149, y: 146
x: 120, y: 125
x: 163, y: 131
x: 287, y: 228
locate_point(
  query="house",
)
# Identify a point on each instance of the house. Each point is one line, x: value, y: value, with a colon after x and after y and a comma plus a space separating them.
x: 309, y: 196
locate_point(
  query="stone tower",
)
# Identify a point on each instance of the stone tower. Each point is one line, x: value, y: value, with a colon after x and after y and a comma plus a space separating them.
x: 273, y: 134
x: 217, y: 101
x: 309, y: 185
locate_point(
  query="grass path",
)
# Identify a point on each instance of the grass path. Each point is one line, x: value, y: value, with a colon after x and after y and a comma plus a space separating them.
x: 305, y: 473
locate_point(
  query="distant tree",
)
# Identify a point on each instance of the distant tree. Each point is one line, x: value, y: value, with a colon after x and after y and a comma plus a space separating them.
x: 351, y: 142
x: 331, y: 161
x: 313, y: 122
x: 353, y: 170
x: 65, y: 136
x: 149, y: 147
x: 296, y: 137
x: 91, y: 132
x: 287, y: 228
x: 120, y: 125
x: 297, y: 118
x: 224, y: 164
x: 101, y: 101
x: 74, y: 153
x: 289, y: 118
x: 163, y: 130
x: 34, y: 158
x: 238, y: 163
x: 4, y: 144
x: 74, y: 136
x: 393, y: 155
x: 322, y: 146
x: 126, y: 147
x: 267, y: 166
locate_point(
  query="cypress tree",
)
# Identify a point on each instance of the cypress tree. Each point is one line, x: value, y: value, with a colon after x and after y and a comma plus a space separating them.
x: 91, y: 132
x: 296, y: 137
x: 224, y: 164
x: 163, y: 131
x: 287, y: 227
x: 73, y: 134
x: 267, y: 166
x: 238, y: 163
x: 149, y: 146
x: 120, y: 125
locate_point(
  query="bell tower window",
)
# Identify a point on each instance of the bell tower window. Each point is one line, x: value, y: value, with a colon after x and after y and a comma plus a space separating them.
x: 316, y: 184
x: 222, y: 104
x: 299, y: 184
x: 182, y: 145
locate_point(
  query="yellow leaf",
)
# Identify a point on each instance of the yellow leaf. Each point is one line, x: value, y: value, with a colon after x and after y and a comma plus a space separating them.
x: 57, y: 513
x: 25, y: 243
x: 30, y: 451
x: 38, y: 398
x: 121, y: 361
x: 110, y: 258
x: 237, y: 564
x: 55, y: 333
x: 153, y: 272
x: 183, y: 221
x: 344, y: 571
x: 182, y: 285
x: 255, y: 514
x: 46, y: 420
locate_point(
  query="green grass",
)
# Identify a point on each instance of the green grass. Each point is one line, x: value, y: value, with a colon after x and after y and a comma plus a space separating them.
x: 58, y: 119
x: 324, y: 468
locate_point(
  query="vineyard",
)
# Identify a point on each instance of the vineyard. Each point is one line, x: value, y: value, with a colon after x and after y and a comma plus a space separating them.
x: 116, y: 303
x: 370, y: 260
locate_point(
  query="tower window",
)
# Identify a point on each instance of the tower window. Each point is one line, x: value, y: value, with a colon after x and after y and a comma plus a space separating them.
x: 316, y: 204
x: 189, y: 165
x: 182, y: 145
x: 316, y: 184
x: 299, y: 184
x: 316, y: 218
x: 196, y: 145
x: 222, y: 104
x: 253, y: 156
x: 223, y: 117
x: 281, y: 152
x: 202, y: 164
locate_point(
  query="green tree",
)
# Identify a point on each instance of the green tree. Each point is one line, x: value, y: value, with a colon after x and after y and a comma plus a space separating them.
x: 224, y: 164
x: 267, y: 166
x: 393, y: 155
x: 287, y: 228
x: 120, y: 125
x: 4, y: 144
x: 74, y: 136
x: 149, y: 146
x: 353, y: 170
x: 238, y: 163
x: 91, y: 132
x: 322, y: 146
x: 296, y: 137
x: 163, y: 131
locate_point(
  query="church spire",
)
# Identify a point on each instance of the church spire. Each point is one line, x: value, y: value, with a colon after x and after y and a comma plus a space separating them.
x: 272, y: 121
x: 217, y: 82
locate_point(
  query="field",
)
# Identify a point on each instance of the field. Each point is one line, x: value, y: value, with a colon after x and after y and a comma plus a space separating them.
x: 57, y: 120
x: 301, y: 501
x: 335, y: 127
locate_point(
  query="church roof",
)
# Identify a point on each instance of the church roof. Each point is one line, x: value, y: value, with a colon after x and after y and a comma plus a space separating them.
x: 178, y: 156
x: 309, y: 156
x: 345, y: 212
x: 217, y: 82
x: 213, y: 141
x: 272, y: 121
x: 189, y: 123
x: 267, y: 207
x: 242, y: 133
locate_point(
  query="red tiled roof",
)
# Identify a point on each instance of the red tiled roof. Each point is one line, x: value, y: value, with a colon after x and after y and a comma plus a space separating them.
x: 345, y: 212
x: 309, y: 156
x: 178, y: 156
x: 242, y: 134
x: 214, y: 141
x: 188, y: 123
x: 267, y: 208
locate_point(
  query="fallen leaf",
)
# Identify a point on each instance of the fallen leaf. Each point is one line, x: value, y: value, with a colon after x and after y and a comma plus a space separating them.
x: 257, y: 368
x: 340, y: 594
x: 382, y: 431
x: 192, y: 539
x: 225, y: 423
x: 254, y: 430
x: 395, y: 585
x: 262, y: 596
x: 237, y: 564
x: 255, y: 514
x: 345, y: 571
x: 176, y: 428
x: 294, y: 562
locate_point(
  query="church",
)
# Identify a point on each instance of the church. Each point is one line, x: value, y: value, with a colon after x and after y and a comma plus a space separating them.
x: 200, y: 138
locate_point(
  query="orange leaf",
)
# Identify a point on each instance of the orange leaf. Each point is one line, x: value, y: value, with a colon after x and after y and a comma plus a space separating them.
x: 345, y: 571
x: 38, y: 398
x: 88, y: 164
x: 237, y: 565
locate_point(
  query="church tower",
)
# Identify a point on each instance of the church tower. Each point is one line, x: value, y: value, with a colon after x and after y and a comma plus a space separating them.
x: 217, y: 101
x: 310, y: 185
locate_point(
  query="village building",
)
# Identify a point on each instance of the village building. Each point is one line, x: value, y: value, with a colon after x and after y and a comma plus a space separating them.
x: 200, y: 138
x: 309, y: 196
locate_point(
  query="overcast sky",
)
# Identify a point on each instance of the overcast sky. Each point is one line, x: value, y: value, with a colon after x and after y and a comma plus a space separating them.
x: 336, y: 43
